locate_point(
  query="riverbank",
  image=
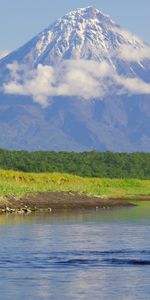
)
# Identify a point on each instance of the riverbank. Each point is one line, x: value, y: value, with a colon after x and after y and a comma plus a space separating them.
x: 30, y: 191
x: 54, y: 201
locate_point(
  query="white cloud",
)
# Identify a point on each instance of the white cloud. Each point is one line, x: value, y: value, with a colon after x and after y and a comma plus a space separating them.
x: 132, y: 48
x: 133, y: 85
x: 4, y: 53
x: 79, y: 78
x: 126, y: 35
x: 129, y: 53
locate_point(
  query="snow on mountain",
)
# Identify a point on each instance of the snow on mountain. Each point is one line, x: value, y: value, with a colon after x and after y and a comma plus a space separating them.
x: 83, y: 55
x: 83, y: 33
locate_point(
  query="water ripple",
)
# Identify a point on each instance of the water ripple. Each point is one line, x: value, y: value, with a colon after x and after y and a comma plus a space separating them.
x: 115, y: 261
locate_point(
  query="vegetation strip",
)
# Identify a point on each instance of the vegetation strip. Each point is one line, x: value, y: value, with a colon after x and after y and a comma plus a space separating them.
x: 85, y: 164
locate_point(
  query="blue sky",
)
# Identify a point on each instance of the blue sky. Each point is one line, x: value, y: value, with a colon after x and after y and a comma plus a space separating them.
x: 20, y: 20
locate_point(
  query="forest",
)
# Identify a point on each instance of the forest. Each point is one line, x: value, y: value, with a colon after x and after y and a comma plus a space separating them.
x: 85, y: 164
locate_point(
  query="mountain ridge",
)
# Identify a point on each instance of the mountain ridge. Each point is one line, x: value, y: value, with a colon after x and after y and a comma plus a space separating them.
x: 79, y: 22
x: 82, y: 54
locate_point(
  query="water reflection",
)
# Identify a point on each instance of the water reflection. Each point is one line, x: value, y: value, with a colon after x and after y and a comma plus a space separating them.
x: 82, y: 255
x: 138, y: 213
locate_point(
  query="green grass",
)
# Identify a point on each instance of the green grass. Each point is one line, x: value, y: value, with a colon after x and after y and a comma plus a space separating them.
x: 19, y: 184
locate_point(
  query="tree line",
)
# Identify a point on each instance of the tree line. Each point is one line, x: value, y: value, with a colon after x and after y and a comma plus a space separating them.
x: 86, y: 164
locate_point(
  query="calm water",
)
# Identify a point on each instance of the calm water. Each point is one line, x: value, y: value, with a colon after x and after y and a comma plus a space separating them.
x: 90, y: 255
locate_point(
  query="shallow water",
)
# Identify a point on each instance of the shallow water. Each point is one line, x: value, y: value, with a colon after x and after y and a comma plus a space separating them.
x: 81, y: 255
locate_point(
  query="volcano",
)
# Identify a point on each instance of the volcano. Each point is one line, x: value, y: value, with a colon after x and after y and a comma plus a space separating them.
x: 82, y: 84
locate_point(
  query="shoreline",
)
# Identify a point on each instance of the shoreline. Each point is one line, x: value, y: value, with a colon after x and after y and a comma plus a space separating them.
x: 59, y: 201
x: 26, y: 192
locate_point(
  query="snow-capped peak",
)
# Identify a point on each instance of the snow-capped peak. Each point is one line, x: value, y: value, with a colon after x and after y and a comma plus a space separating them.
x: 87, y: 13
x: 84, y: 33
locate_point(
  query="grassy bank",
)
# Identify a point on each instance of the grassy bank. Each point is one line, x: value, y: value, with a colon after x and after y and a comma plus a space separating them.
x: 18, y: 184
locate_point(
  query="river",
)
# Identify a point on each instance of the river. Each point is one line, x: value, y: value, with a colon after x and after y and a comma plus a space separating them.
x: 93, y: 255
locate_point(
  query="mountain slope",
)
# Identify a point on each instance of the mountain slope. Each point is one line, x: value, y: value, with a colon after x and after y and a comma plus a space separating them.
x: 84, y: 33
x: 115, y: 118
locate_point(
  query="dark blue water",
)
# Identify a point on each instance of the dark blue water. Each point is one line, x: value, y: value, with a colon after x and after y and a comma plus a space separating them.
x: 88, y: 255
